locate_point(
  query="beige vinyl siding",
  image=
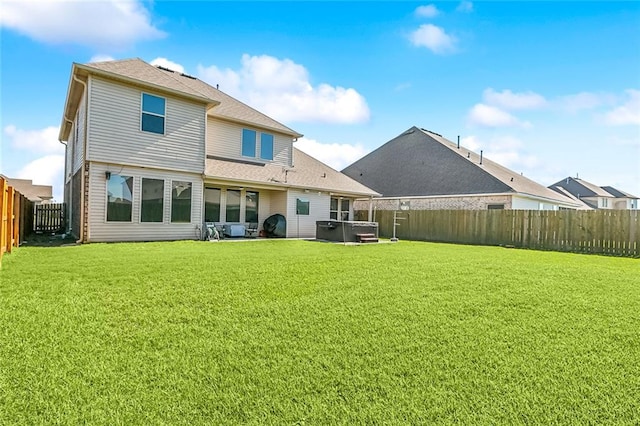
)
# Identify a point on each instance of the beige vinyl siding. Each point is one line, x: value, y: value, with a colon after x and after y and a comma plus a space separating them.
x: 77, y: 133
x: 278, y: 203
x: 224, y: 139
x: 100, y: 230
x: 305, y: 226
x: 115, y: 135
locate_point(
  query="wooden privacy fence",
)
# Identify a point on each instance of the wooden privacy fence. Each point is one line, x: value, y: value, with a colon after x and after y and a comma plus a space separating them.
x: 16, y: 217
x: 49, y: 218
x: 615, y: 232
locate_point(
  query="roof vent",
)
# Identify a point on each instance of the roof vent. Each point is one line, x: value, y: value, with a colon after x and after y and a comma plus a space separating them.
x: 188, y: 76
x: 164, y: 69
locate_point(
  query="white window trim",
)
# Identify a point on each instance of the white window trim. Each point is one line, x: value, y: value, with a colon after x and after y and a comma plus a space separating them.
x: 258, y: 145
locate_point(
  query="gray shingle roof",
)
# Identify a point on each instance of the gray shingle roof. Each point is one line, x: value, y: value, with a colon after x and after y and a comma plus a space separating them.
x: 422, y: 163
x: 581, y: 188
x: 307, y: 173
x: 617, y: 193
x: 229, y: 107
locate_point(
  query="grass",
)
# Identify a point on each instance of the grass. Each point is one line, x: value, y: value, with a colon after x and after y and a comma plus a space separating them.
x: 296, y: 332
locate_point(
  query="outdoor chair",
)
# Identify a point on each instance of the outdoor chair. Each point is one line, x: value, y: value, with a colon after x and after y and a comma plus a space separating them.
x: 211, y: 231
x: 251, y: 230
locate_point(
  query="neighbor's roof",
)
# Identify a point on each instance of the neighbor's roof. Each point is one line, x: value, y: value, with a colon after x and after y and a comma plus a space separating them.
x: 137, y: 71
x: 35, y: 193
x: 581, y: 188
x: 617, y: 193
x: 422, y: 163
x: 582, y: 205
x: 307, y: 173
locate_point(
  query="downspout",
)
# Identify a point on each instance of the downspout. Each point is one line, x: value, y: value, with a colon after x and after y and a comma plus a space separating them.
x: 370, y: 218
x: 84, y: 150
x: 64, y: 180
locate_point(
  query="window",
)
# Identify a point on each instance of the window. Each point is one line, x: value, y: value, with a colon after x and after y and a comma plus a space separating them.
x: 151, y: 209
x: 302, y: 207
x: 344, y: 210
x: 266, y: 146
x: 153, y: 113
x: 251, y: 208
x: 119, y: 198
x: 233, y: 205
x: 180, y: 201
x: 339, y: 214
x: 333, y: 209
x: 248, y: 143
x: 495, y: 207
x: 212, y: 205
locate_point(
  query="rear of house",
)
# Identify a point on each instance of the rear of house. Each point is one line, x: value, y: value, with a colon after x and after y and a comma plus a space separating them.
x: 152, y: 154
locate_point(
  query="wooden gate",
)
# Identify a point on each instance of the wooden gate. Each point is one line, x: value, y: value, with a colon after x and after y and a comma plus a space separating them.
x: 49, y: 218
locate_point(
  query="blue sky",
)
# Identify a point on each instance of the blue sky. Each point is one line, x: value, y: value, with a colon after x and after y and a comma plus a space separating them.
x: 548, y: 89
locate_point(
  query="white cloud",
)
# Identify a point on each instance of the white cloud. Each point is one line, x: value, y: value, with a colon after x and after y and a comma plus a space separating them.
x: 627, y: 113
x: 335, y: 155
x: 101, y: 58
x: 428, y: 11
x: 433, y: 38
x: 465, y: 6
x: 107, y: 23
x: 37, y: 141
x: 582, y: 101
x: 510, y: 100
x: 48, y: 170
x: 164, y: 62
x: 490, y: 116
x: 282, y: 89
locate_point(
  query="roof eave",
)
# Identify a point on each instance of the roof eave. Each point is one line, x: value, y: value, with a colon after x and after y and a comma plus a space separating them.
x: 283, y: 185
x: 291, y: 132
x: 114, y: 76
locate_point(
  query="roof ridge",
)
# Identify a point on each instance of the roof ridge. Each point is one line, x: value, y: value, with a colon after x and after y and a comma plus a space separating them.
x: 542, y: 190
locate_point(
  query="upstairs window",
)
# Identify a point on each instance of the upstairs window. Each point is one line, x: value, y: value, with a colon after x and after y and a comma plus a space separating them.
x: 248, y: 143
x: 266, y: 146
x: 153, y: 114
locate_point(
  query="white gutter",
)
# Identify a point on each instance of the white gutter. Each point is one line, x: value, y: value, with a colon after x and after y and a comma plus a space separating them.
x: 84, y: 148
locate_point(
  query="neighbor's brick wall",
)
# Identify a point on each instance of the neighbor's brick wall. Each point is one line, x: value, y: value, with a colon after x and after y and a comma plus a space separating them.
x: 453, y: 203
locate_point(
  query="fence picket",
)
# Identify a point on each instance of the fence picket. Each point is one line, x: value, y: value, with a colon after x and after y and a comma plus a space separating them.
x: 614, y: 232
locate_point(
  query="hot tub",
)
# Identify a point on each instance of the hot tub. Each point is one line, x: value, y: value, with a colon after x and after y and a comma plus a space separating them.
x: 344, y: 230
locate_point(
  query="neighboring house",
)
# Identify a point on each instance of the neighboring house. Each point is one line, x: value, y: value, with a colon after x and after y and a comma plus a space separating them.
x: 38, y: 194
x: 596, y: 197
x: 421, y: 170
x: 623, y: 200
x: 153, y: 154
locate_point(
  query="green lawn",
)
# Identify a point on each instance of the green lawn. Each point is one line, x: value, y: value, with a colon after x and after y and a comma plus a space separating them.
x: 298, y: 332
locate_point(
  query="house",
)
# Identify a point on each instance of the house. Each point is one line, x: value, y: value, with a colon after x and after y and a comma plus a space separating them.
x: 37, y: 194
x: 421, y: 170
x: 596, y: 197
x: 154, y: 154
x: 623, y: 200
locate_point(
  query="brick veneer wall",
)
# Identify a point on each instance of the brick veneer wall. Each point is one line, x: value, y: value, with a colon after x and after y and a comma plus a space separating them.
x: 471, y: 202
